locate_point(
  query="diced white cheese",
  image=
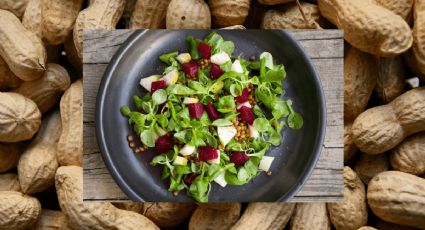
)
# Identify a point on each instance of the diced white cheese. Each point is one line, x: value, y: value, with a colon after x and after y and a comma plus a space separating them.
x: 171, y: 77
x: 180, y: 161
x: 216, y: 160
x: 221, y: 180
x: 237, y: 67
x: 190, y: 100
x: 265, y: 163
x: 253, y: 132
x: 220, y: 58
x: 246, y: 103
x: 184, y: 58
x: 146, y: 82
x: 226, y: 133
x: 187, y: 150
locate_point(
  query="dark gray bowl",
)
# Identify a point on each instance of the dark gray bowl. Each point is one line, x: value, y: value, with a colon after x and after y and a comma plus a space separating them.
x: 295, y: 158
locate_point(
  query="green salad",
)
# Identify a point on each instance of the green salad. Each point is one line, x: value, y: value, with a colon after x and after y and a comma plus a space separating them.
x: 211, y: 116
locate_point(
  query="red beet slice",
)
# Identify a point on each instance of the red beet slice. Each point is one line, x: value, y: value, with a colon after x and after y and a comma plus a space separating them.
x: 207, y: 153
x: 246, y: 114
x: 190, y: 178
x: 158, y: 85
x: 243, y: 97
x: 239, y: 158
x: 213, y: 114
x: 216, y: 71
x: 164, y: 144
x: 196, y: 110
x: 190, y: 68
x: 205, y: 50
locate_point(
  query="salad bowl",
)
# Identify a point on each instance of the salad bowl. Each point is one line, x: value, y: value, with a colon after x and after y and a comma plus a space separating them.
x: 294, y: 157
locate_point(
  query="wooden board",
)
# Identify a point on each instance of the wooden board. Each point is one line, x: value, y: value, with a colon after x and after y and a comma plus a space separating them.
x: 325, y: 47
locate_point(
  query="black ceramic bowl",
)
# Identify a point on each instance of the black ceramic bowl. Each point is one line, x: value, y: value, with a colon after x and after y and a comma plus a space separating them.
x: 295, y: 158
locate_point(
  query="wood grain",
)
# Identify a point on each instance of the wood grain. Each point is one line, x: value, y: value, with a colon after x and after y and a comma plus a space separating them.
x: 325, y: 48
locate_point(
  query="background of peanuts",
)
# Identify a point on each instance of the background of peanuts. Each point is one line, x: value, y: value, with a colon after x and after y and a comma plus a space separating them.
x: 384, y: 61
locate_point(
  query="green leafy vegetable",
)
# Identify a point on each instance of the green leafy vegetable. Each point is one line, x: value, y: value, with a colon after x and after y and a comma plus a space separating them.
x: 148, y: 137
x: 168, y: 58
x: 226, y: 104
x: 125, y: 111
x: 222, y: 122
x: 159, y: 97
x: 179, y: 89
x: 193, y: 47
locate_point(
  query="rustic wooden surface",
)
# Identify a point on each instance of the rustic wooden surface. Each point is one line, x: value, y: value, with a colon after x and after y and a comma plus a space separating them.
x: 325, y: 47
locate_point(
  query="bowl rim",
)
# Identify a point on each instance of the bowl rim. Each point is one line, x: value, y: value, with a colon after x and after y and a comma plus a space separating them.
x: 115, y: 61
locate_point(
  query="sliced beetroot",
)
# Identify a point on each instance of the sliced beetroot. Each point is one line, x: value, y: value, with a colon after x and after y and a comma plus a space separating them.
x: 205, y: 50
x: 164, y: 144
x: 158, y: 85
x: 190, y: 68
x: 243, y: 97
x: 239, y: 158
x: 246, y: 114
x: 206, y: 153
x: 213, y: 114
x: 196, y: 110
x: 190, y: 178
x: 216, y: 71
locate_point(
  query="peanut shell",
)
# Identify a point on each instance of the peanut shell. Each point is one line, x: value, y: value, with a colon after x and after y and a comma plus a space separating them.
x: 101, y: 14
x: 149, y: 14
x: 17, y: 7
x: 32, y: 17
x: 70, y: 146
x: 7, y: 78
x: 409, y: 156
x: 206, y: 218
x: 381, y: 128
x: 398, y: 197
x: 18, y: 211
x: 89, y: 215
x: 46, y: 91
x: 399, y: 7
x: 188, y: 14
x: 289, y: 17
x: 352, y: 212
x: 419, y: 35
x: 165, y: 214
x: 360, y: 74
x: 310, y: 216
x: 265, y: 216
x: 228, y: 13
x: 369, y: 27
x: 58, y: 18
x: 9, y: 155
x: 20, y: 48
x: 20, y: 118
x: 390, y: 82
x: 367, y: 166
x: 9, y: 182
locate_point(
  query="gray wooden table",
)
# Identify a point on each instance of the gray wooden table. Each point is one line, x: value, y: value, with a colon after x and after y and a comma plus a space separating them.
x: 325, y: 47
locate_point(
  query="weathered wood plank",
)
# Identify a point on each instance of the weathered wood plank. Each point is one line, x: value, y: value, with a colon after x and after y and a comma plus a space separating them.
x: 324, y: 47
x: 98, y: 50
